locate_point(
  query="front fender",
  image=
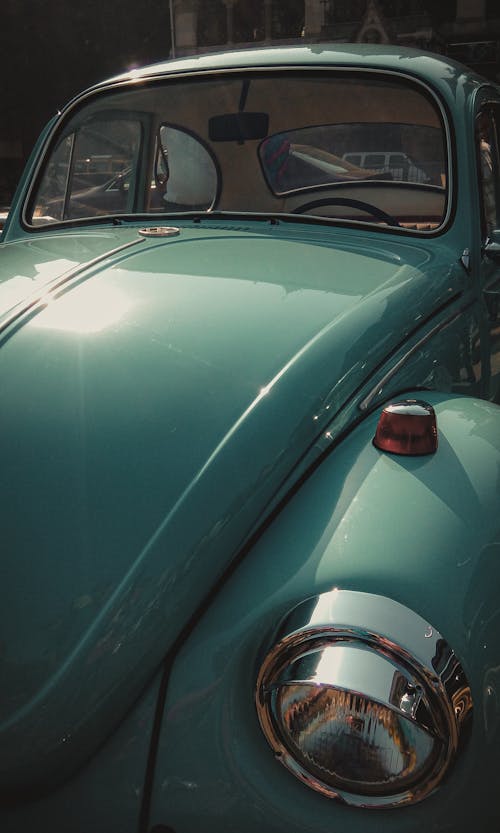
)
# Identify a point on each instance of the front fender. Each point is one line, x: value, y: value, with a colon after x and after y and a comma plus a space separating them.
x: 423, y: 531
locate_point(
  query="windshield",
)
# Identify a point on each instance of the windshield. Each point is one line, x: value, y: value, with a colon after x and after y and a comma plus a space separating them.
x: 344, y: 146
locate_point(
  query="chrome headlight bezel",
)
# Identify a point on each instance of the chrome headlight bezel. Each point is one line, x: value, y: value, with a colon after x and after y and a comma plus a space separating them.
x: 342, y: 647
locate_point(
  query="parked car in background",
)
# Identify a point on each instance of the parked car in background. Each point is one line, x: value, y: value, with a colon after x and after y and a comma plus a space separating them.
x: 111, y: 196
x: 3, y: 217
x: 396, y: 165
x: 251, y: 450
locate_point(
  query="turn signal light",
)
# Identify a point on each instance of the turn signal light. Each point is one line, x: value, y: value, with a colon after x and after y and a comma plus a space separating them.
x: 407, y: 427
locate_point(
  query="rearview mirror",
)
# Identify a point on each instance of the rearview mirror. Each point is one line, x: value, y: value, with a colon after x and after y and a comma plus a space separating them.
x: 237, y: 127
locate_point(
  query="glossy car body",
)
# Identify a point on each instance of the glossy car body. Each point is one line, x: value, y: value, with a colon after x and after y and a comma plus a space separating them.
x: 195, y: 515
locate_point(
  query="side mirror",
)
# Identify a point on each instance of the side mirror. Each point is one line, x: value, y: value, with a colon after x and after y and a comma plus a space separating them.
x: 161, y: 171
x: 492, y: 246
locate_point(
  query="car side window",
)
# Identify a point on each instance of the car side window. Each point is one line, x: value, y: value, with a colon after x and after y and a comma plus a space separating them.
x: 91, y: 172
x: 489, y: 168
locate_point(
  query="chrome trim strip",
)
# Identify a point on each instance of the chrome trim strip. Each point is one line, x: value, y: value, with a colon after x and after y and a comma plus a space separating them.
x: 176, y: 75
x: 376, y: 389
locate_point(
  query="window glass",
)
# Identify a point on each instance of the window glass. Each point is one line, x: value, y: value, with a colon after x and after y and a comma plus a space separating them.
x: 374, y: 160
x: 54, y: 185
x: 321, y: 155
x: 186, y: 173
x: 285, y: 141
x: 92, y: 172
x: 488, y: 170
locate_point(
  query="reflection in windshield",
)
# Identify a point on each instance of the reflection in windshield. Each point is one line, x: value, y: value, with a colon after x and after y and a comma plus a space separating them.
x: 365, y: 148
x: 190, y: 175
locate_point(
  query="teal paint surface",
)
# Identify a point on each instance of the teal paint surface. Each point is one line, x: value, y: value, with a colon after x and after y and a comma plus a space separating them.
x: 423, y: 531
x: 106, y: 793
x: 165, y: 384
x: 157, y: 400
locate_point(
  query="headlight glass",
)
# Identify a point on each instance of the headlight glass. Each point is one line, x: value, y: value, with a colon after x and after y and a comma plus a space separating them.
x: 358, y: 716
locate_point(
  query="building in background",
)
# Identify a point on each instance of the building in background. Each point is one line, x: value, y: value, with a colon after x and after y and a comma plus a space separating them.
x: 52, y: 49
x: 468, y: 30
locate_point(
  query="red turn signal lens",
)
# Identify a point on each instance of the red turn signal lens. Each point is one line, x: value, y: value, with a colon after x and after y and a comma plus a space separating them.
x: 407, y: 427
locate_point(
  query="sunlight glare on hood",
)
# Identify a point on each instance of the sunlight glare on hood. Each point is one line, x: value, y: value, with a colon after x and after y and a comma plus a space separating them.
x: 89, y: 309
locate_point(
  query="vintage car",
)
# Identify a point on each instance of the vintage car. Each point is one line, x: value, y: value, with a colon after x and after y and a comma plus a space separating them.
x: 251, y: 453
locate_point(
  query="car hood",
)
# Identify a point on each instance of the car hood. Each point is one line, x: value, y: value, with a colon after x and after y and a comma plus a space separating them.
x: 154, y: 402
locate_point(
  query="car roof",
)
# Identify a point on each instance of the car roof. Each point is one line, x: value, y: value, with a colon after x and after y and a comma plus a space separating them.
x: 426, y: 65
x: 448, y: 77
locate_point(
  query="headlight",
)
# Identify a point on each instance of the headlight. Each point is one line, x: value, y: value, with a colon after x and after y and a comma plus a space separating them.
x: 363, y: 700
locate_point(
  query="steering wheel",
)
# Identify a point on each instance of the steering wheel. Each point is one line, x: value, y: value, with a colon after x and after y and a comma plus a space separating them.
x: 361, y: 204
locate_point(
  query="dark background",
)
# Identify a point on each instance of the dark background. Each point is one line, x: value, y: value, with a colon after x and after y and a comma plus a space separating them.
x: 52, y: 49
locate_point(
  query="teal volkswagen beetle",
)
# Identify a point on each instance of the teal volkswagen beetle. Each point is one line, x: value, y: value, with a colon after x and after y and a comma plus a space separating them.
x: 250, y: 373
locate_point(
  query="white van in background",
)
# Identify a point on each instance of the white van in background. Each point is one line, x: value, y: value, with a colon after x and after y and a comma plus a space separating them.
x: 396, y: 163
